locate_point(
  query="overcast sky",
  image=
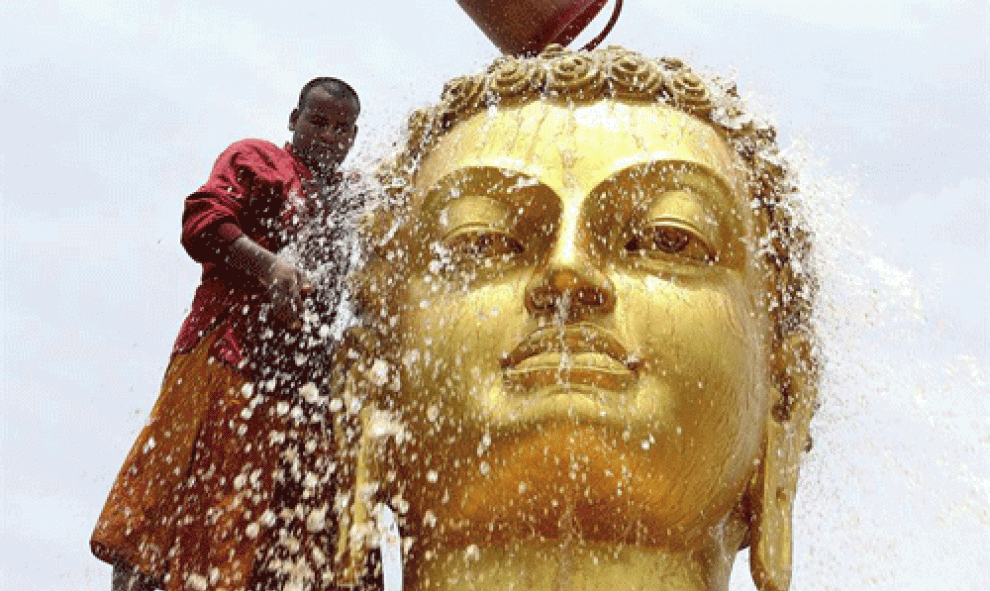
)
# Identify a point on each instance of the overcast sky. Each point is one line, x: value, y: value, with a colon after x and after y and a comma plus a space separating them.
x: 114, y: 110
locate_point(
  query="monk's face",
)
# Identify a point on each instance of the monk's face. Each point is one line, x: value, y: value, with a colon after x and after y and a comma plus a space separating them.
x: 324, y: 129
x: 584, y: 319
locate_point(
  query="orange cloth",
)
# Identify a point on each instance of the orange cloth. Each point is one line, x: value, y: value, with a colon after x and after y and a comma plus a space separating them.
x: 188, y: 509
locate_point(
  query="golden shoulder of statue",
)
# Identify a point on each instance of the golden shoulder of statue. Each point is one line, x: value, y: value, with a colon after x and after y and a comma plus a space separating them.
x: 596, y: 307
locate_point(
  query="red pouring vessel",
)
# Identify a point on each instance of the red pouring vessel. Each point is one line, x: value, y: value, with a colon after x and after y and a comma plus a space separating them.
x: 524, y: 27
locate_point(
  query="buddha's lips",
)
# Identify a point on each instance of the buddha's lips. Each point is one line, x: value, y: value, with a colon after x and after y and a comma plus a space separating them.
x: 569, y: 340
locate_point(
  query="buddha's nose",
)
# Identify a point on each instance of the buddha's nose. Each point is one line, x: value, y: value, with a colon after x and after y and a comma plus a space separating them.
x: 570, y: 284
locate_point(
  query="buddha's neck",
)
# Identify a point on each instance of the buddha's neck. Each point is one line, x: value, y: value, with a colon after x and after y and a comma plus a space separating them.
x: 573, y: 564
x: 553, y: 566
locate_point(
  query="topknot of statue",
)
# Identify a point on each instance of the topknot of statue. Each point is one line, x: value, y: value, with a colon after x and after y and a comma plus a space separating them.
x: 510, y: 78
x: 574, y: 76
x: 632, y: 75
x: 562, y: 75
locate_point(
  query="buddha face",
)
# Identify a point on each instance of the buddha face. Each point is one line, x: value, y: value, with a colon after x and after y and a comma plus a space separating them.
x: 583, y: 334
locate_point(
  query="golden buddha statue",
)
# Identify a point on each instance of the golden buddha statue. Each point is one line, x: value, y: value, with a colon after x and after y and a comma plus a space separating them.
x: 588, y: 362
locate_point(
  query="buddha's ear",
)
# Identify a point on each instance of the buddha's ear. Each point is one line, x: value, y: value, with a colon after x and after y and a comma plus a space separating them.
x: 786, y: 438
x: 359, y: 382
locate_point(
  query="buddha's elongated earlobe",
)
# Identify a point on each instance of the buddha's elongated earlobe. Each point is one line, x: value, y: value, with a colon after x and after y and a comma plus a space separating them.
x: 359, y: 384
x: 355, y: 520
x: 776, y: 484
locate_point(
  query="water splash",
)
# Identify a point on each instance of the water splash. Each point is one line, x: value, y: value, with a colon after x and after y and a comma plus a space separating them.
x: 899, y: 472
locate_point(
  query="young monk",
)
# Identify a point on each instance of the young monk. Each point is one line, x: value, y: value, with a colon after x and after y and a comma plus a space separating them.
x: 196, y: 500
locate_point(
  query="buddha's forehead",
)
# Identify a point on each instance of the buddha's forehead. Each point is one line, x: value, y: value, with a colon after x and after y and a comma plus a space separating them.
x: 574, y: 148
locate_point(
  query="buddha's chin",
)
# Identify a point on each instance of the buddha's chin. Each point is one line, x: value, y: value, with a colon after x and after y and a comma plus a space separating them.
x: 559, y: 481
x: 575, y: 402
x: 562, y: 402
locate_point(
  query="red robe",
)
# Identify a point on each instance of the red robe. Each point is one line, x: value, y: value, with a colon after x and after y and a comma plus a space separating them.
x: 255, y: 189
x: 195, y: 501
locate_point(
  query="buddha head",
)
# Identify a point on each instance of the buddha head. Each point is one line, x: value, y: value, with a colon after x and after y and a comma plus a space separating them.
x: 592, y: 300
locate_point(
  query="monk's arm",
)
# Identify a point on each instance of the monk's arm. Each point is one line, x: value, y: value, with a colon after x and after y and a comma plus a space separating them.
x: 286, y: 285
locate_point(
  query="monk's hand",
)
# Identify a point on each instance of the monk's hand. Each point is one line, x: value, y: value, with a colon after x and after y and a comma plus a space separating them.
x: 287, y: 286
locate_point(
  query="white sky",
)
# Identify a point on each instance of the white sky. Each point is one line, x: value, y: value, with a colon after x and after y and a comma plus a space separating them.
x: 113, y: 111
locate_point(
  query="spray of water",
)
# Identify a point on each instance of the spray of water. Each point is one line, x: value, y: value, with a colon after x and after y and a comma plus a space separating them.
x: 899, y: 472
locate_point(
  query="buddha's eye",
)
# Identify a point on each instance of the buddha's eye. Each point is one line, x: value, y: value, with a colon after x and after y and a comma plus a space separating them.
x: 483, y: 244
x: 665, y: 240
